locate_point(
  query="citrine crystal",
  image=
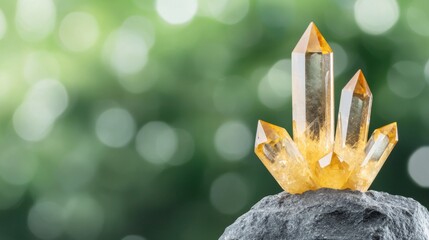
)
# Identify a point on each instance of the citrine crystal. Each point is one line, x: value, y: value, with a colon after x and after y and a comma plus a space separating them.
x: 281, y: 157
x: 313, y: 95
x: 313, y: 159
x: 379, y: 146
x: 353, y: 117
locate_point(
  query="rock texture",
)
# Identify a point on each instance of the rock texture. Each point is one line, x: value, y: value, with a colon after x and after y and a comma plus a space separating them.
x: 332, y: 214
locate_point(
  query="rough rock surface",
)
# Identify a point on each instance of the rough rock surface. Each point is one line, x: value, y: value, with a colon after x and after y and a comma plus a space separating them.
x: 332, y: 214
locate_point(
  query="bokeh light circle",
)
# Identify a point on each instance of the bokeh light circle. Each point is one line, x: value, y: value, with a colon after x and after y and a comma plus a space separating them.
x: 78, y: 31
x: 115, y: 127
x: 406, y: 79
x: 45, y: 101
x: 418, y: 166
x: 45, y: 220
x: 376, y: 17
x: 177, y: 11
x: 35, y: 19
x: 3, y: 24
x: 274, y: 89
x: 32, y: 123
x: 229, y: 193
x: 417, y: 17
x: 233, y: 140
x: 50, y: 93
x: 228, y: 11
x: 157, y: 142
x: 126, y: 52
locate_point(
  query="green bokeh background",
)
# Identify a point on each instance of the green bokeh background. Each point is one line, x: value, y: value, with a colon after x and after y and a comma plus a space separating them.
x: 130, y: 127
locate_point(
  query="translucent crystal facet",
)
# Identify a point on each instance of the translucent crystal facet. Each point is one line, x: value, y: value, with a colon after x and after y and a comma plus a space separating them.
x: 282, y: 158
x: 331, y: 171
x: 312, y: 95
x: 379, y: 146
x: 312, y: 159
x: 353, y: 119
x: 354, y: 114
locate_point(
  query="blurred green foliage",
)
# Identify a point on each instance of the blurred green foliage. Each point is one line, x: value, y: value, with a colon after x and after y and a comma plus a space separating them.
x: 135, y: 119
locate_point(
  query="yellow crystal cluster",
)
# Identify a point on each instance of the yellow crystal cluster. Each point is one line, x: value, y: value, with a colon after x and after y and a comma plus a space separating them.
x: 314, y: 158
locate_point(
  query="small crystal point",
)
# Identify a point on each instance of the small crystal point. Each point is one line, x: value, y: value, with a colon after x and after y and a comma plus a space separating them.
x: 331, y: 172
x: 281, y: 157
x: 378, y: 148
x: 313, y: 95
x: 353, y: 119
x: 358, y: 85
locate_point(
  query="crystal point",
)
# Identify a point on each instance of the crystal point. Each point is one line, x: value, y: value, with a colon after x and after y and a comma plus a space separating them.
x: 282, y: 158
x: 331, y: 171
x: 312, y: 95
x: 358, y: 85
x: 378, y: 148
x: 353, y: 119
x: 312, y: 41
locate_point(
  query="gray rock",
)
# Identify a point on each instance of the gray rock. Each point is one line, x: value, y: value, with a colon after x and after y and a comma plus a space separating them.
x: 332, y: 214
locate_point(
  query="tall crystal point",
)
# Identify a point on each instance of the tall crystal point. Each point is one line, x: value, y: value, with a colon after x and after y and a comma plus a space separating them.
x: 312, y: 95
x: 353, y: 119
x: 281, y: 157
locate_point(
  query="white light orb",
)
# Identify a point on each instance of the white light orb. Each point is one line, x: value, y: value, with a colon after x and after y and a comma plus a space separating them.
x: 376, y: 17
x: 177, y: 11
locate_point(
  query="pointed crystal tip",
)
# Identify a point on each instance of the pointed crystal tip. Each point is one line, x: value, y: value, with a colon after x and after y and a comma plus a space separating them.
x: 358, y: 85
x: 312, y: 41
x: 260, y: 133
x: 267, y: 132
x: 391, y: 131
